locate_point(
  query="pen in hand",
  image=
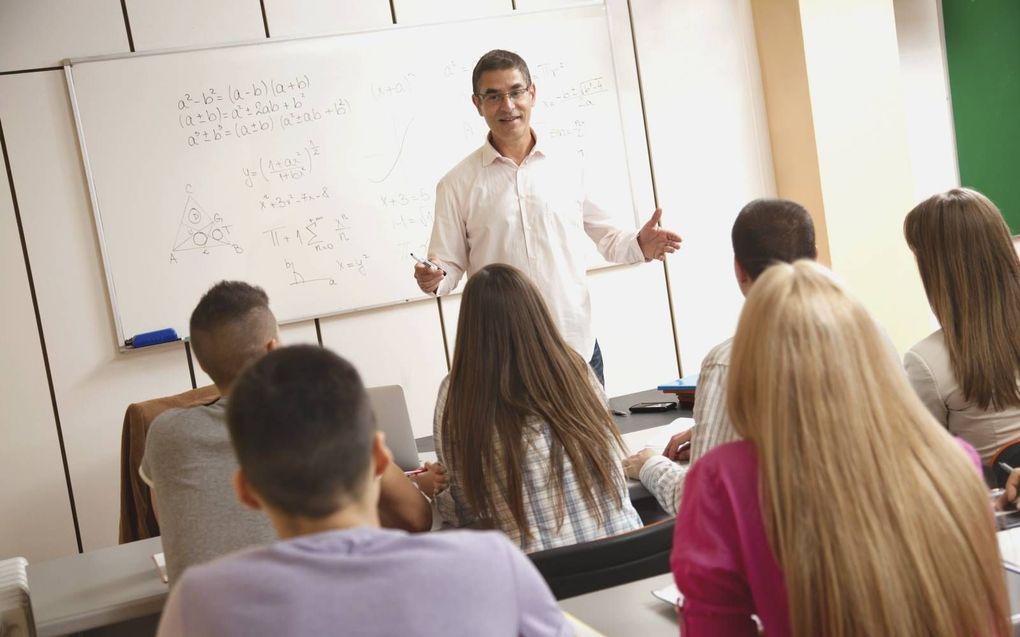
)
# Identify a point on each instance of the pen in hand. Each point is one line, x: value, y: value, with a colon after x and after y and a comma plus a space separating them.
x: 427, y: 263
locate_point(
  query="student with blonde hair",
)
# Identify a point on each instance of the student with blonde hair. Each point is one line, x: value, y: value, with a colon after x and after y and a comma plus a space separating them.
x: 846, y: 509
x: 523, y: 427
x: 968, y: 372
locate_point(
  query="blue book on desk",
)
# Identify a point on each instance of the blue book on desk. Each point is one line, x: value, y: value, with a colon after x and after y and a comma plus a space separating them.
x: 687, y: 383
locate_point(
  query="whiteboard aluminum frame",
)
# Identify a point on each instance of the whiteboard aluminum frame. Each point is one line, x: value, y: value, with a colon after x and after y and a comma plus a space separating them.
x: 619, y: 30
x: 111, y: 288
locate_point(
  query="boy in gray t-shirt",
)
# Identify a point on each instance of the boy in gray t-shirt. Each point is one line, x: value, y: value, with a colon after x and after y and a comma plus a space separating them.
x: 188, y: 454
x: 189, y: 462
x: 312, y: 459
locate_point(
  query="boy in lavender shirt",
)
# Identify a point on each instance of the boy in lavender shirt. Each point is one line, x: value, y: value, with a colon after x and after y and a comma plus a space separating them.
x: 310, y: 457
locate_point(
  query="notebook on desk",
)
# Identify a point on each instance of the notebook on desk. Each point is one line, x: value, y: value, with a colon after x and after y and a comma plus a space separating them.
x: 683, y: 388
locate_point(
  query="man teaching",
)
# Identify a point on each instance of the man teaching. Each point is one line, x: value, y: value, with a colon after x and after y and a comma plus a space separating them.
x: 515, y: 200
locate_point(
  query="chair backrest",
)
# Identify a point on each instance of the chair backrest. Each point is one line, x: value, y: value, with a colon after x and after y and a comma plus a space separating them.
x: 137, y: 520
x: 393, y: 420
x: 591, y: 566
x: 1009, y: 454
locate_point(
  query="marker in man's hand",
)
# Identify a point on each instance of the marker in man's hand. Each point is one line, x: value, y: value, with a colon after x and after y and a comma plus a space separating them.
x: 427, y: 263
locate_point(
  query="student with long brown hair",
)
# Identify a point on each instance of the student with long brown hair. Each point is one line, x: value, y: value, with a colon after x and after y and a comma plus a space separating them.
x: 846, y: 509
x: 523, y: 427
x: 968, y: 372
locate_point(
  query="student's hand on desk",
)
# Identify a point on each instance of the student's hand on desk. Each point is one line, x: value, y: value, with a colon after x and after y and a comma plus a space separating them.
x: 678, y: 450
x: 657, y: 242
x: 632, y: 465
x: 1008, y: 499
x: 427, y: 278
x: 434, y: 479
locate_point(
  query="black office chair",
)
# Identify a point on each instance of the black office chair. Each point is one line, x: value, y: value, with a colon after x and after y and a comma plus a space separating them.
x: 591, y: 566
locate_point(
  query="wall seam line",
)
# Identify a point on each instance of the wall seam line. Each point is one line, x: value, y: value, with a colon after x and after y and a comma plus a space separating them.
x: 127, y: 25
x: 42, y: 339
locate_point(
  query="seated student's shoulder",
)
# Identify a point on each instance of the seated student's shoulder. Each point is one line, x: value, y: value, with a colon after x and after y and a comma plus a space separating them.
x: 447, y: 544
x: 462, y: 550
x: 165, y: 431
x: 932, y: 349
x: 718, y: 355
x: 733, y: 462
x: 179, y: 426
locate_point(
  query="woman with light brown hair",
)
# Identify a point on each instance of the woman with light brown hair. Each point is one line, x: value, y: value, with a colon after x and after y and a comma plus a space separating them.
x: 846, y: 509
x: 523, y: 427
x: 968, y: 372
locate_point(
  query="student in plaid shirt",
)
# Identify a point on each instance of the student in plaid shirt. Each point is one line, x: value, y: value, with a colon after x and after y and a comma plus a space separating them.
x: 766, y: 231
x: 523, y: 426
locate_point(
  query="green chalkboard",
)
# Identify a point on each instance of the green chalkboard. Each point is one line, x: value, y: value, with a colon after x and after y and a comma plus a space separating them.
x: 983, y: 52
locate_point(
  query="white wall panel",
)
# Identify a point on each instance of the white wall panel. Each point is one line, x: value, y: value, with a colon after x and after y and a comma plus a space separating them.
x: 156, y: 24
x: 289, y: 18
x: 302, y: 333
x: 710, y: 150
x: 92, y: 381
x: 37, y: 520
x: 421, y: 11
x: 41, y: 33
x: 930, y: 132
x: 397, y: 345
x: 630, y: 318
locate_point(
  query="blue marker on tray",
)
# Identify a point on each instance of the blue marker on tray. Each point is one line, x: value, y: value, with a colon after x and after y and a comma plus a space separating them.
x: 152, y: 338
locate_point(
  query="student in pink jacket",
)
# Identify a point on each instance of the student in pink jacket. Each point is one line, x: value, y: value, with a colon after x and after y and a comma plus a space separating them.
x: 846, y: 509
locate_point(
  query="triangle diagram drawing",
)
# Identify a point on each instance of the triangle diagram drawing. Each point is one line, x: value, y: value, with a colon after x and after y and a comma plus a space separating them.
x: 200, y: 230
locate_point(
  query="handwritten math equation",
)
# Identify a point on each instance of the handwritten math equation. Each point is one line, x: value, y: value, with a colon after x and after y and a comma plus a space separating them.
x: 348, y: 265
x: 318, y: 234
x: 581, y: 95
x: 276, y: 202
x: 256, y: 107
x: 291, y: 167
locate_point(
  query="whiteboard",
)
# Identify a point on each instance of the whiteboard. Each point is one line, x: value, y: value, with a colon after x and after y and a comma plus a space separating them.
x: 309, y: 166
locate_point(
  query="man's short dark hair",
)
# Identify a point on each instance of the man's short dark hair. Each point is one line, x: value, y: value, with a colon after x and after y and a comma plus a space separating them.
x: 499, y: 60
x: 768, y: 231
x: 230, y: 327
x: 302, y: 427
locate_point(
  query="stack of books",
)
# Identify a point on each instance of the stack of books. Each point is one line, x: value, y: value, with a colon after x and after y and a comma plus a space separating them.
x: 683, y: 388
x: 15, y: 606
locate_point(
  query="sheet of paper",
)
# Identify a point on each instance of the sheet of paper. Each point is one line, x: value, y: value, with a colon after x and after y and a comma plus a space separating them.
x: 669, y: 594
x: 1009, y: 548
x: 656, y: 437
x: 160, y: 561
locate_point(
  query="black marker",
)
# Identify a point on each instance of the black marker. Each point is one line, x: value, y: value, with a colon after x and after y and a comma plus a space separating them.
x: 427, y: 263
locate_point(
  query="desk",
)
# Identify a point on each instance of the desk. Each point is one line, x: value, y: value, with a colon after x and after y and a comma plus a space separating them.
x: 628, y: 609
x: 628, y: 423
x: 120, y: 583
x: 98, y: 588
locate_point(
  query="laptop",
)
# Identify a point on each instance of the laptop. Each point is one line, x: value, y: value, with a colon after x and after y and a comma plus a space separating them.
x: 393, y: 420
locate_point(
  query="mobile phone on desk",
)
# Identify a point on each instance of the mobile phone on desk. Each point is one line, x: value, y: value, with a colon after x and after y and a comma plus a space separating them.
x: 645, y: 408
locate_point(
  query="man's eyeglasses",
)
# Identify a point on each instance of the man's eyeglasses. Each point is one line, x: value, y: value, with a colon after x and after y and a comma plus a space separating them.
x: 516, y: 95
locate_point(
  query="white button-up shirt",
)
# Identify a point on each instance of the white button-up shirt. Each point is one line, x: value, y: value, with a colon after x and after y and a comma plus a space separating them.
x: 534, y: 217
